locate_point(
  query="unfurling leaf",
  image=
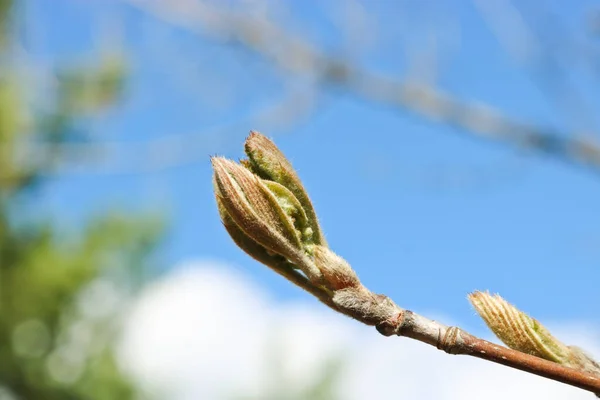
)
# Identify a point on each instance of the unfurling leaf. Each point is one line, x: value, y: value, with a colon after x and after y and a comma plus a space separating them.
x: 268, y: 162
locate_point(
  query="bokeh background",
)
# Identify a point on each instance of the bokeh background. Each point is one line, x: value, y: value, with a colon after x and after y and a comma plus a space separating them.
x: 448, y: 146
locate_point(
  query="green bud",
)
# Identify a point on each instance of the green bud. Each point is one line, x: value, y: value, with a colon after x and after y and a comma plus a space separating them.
x: 268, y: 214
x: 521, y: 332
x: 265, y: 213
x: 268, y: 162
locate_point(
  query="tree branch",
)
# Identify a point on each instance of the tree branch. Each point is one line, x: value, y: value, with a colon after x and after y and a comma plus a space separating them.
x: 454, y: 340
x: 299, y: 57
x: 268, y: 214
x: 390, y: 319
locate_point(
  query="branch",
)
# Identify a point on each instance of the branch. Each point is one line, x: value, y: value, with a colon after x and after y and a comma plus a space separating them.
x: 299, y: 57
x: 454, y: 340
x: 267, y: 212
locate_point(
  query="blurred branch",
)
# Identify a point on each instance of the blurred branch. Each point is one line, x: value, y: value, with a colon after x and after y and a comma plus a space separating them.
x: 545, y: 49
x: 298, y: 57
x: 153, y: 155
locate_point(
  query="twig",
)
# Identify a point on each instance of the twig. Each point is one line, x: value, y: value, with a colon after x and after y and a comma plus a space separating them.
x: 375, y: 310
x: 390, y: 319
x: 268, y: 214
x: 299, y: 57
x: 454, y: 340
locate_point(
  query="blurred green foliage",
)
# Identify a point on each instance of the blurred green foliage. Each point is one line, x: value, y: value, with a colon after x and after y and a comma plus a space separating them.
x: 5, y: 8
x: 61, y: 293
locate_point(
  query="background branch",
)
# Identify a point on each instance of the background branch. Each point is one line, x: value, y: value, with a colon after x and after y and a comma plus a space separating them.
x: 297, y: 56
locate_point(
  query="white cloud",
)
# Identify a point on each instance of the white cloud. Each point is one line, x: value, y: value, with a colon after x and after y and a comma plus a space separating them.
x: 205, y: 331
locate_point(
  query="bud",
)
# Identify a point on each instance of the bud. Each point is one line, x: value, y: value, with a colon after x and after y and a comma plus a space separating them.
x: 521, y: 332
x: 268, y: 162
x: 268, y: 214
x: 246, y: 201
x: 336, y: 272
x: 244, y: 242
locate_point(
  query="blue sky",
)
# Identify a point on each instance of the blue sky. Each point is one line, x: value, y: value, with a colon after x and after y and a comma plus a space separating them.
x: 424, y: 213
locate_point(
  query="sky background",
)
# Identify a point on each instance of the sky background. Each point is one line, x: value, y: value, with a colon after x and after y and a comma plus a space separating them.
x: 425, y: 213
x: 253, y: 342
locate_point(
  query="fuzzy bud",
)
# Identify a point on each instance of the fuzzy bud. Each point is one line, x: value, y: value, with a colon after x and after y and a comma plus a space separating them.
x: 268, y: 218
x: 253, y: 208
x: 337, y: 274
x: 521, y: 332
x: 268, y: 162
x: 246, y: 243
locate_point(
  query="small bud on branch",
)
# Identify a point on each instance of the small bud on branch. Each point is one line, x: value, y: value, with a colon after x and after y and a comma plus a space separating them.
x: 521, y: 332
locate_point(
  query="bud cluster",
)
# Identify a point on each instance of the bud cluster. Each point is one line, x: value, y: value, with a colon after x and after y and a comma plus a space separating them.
x: 267, y: 212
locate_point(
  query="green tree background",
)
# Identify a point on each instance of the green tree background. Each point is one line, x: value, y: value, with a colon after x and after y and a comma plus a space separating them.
x: 56, y: 331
